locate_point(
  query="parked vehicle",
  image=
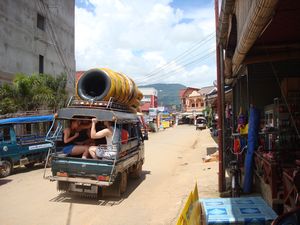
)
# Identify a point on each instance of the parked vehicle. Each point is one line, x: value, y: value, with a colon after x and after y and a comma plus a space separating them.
x: 22, y: 141
x: 201, y: 123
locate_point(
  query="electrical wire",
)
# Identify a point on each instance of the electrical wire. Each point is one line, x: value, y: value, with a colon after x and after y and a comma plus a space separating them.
x: 181, y: 56
x: 178, y: 69
x: 53, y: 35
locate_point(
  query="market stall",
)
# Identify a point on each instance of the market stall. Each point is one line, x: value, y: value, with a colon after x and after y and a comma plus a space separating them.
x: 259, y: 49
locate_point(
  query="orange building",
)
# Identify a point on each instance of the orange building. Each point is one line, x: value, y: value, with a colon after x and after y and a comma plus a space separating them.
x: 193, y: 99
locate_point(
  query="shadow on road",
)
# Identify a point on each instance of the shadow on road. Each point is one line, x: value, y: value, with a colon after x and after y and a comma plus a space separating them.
x: 211, y: 150
x: 215, y: 138
x: 23, y: 169
x: 99, y: 200
x: 4, y: 181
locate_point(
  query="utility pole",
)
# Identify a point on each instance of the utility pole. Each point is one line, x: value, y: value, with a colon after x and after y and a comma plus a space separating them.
x: 219, y: 103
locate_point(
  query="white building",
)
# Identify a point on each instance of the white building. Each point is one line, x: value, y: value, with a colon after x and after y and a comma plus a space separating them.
x: 149, y: 98
x: 37, y: 36
x: 148, y: 93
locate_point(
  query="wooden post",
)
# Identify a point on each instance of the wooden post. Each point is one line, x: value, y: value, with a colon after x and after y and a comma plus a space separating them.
x: 219, y: 103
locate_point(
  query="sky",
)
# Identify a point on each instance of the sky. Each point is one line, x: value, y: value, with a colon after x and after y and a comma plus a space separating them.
x: 151, y: 41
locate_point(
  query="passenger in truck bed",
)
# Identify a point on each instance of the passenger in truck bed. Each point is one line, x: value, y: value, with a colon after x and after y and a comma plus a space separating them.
x: 106, y: 139
x: 76, y: 139
x: 108, y: 133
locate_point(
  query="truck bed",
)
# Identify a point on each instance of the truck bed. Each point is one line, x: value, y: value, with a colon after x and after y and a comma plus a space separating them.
x: 74, y: 169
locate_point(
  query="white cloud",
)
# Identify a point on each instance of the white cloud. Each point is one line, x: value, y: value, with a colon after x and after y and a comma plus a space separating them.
x: 136, y: 37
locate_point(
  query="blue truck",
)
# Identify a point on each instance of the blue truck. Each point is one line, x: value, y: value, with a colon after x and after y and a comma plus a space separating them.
x: 22, y: 141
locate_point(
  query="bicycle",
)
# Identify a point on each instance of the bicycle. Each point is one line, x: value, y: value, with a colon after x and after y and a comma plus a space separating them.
x: 235, y: 171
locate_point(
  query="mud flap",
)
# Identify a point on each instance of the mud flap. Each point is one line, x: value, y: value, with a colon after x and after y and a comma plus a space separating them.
x: 63, y: 186
x: 113, y: 190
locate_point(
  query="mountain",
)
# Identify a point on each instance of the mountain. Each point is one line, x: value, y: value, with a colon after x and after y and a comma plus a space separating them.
x: 168, y: 94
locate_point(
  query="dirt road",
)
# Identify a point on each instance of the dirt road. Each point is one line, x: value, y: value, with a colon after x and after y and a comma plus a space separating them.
x: 173, y: 165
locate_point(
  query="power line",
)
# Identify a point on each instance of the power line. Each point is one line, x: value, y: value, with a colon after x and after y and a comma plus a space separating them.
x: 182, y: 55
x: 177, y: 70
x: 203, y: 57
x: 53, y: 35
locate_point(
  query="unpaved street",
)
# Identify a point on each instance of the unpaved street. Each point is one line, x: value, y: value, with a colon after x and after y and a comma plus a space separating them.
x: 173, y: 165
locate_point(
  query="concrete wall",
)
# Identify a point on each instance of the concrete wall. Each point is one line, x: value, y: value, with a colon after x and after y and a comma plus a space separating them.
x: 21, y: 41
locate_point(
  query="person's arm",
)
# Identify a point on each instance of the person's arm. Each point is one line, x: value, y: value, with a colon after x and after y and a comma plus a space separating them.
x: 67, y: 138
x: 100, y: 134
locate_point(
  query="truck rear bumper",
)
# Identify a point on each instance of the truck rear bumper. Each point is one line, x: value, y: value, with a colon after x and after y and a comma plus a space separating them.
x: 79, y: 180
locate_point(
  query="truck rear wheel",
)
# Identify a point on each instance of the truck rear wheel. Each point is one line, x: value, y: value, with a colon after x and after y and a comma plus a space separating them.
x: 29, y: 165
x: 6, y: 168
x: 117, y: 188
x: 137, y: 171
x: 123, y: 182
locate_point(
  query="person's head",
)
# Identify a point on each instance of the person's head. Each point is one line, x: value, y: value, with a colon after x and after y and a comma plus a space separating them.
x: 74, y: 124
x: 107, y: 123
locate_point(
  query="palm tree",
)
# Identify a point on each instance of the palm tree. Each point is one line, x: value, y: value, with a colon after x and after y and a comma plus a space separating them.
x: 7, y: 99
x: 27, y: 93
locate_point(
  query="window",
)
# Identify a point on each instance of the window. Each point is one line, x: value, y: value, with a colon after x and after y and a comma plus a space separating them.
x: 5, y: 134
x: 41, y: 64
x: 40, y: 21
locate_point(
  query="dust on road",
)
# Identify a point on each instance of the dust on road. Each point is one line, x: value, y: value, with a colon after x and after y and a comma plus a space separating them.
x: 173, y: 165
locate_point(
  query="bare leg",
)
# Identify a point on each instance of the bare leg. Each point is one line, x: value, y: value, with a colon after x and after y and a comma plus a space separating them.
x: 86, y: 153
x: 92, y: 151
x: 79, y: 149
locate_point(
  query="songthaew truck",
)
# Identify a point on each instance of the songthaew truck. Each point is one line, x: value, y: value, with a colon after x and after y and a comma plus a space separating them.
x: 107, y: 96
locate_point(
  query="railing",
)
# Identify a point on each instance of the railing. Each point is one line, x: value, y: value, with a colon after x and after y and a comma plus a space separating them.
x: 73, y: 102
x: 28, y: 113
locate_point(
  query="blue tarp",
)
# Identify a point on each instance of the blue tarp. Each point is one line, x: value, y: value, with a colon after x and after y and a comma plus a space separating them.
x: 252, y: 145
x: 244, y: 210
x: 27, y: 119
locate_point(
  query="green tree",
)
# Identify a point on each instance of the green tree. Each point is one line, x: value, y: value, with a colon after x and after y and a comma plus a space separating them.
x: 38, y: 91
x: 7, y: 99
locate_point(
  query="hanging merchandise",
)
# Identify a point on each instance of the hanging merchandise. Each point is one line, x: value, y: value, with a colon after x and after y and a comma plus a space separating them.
x: 236, y: 145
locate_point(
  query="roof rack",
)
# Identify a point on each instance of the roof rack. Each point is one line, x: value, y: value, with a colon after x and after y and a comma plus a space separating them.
x: 39, y: 112
x: 106, y: 105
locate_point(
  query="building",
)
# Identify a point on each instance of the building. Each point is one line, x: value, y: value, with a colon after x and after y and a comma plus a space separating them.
x: 258, y: 44
x: 193, y: 99
x: 185, y: 102
x: 37, y: 37
x: 149, y: 99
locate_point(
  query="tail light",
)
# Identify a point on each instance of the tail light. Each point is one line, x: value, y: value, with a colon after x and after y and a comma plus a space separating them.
x: 62, y: 174
x: 103, y: 178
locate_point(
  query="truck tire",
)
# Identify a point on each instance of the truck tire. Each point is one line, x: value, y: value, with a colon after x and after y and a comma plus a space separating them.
x: 6, y: 168
x: 29, y: 165
x: 123, y: 182
x: 137, y: 171
x: 117, y: 188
